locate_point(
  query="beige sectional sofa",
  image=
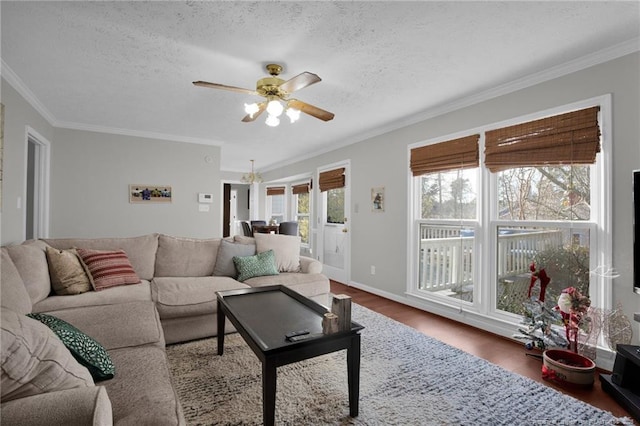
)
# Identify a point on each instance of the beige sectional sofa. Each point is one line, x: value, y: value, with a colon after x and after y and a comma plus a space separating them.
x: 174, y: 301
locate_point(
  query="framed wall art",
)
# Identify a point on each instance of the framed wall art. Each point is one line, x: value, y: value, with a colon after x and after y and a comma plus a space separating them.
x: 147, y: 194
x: 377, y: 199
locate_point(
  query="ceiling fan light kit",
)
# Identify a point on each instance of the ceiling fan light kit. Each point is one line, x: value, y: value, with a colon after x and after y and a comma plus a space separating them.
x: 276, y: 91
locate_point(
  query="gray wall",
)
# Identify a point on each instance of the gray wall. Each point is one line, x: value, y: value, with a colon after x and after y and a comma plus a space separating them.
x: 90, y: 174
x: 90, y: 177
x: 380, y: 238
x: 18, y: 114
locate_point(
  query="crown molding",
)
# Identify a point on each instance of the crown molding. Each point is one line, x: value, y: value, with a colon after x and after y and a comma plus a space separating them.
x: 587, y: 61
x: 138, y: 133
x: 17, y: 83
x: 584, y: 62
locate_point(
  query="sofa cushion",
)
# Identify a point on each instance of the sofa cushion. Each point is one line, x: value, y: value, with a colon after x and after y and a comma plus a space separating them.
x: 108, y: 268
x: 224, y: 261
x: 183, y: 296
x: 256, y: 266
x: 84, y: 348
x: 91, y: 406
x: 120, y: 316
x: 285, y: 247
x: 67, y: 272
x: 142, y: 392
x: 123, y: 294
x: 140, y: 250
x: 31, y: 263
x: 13, y: 292
x: 34, y: 360
x: 186, y: 257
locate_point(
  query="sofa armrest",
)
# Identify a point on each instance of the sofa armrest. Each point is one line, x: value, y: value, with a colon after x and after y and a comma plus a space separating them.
x: 79, y: 406
x: 309, y: 265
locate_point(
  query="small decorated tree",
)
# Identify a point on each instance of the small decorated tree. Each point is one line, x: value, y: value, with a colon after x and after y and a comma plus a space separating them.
x: 540, y: 316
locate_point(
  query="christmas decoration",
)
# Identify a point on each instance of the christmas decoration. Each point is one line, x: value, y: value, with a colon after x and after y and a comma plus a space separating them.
x: 539, y: 317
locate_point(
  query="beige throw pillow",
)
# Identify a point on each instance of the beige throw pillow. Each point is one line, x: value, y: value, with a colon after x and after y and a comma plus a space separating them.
x: 34, y: 360
x: 68, y: 274
x: 285, y: 247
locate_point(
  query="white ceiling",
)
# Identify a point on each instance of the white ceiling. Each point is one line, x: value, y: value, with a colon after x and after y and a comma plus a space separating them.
x: 127, y: 67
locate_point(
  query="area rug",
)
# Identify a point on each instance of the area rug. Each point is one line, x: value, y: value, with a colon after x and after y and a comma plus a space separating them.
x: 406, y: 378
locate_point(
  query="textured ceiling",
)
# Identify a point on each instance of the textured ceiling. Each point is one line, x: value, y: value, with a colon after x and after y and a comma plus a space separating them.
x: 127, y: 67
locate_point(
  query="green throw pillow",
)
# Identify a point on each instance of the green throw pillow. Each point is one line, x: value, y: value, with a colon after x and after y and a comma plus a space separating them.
x: 256, y: 266
x: 86, y: 350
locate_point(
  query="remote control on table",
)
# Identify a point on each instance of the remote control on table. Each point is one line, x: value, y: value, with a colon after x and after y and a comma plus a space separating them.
x: 291, y: 334
x: 303, y: 337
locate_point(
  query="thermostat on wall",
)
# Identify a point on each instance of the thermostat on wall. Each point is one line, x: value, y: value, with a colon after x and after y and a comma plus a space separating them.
x: 205, y: 198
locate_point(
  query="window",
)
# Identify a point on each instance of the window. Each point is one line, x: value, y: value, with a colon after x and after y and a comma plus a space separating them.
x: 332, y: 182
x: 446, y: 174
x: 478, y: 227
x: 276, y: 203
x: 301, y: 200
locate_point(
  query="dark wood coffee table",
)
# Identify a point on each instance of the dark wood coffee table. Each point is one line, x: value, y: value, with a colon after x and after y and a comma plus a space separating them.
x: 263, y: 316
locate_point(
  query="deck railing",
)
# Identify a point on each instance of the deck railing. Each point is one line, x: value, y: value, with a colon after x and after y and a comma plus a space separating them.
x: 447, y: 263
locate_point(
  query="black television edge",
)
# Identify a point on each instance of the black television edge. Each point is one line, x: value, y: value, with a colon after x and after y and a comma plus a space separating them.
x: 636, y: 231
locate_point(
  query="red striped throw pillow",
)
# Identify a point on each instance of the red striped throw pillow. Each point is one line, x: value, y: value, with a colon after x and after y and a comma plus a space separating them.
x: 108, y: 268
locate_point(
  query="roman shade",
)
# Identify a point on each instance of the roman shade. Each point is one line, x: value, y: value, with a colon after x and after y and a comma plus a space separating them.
x: 460, y: 153
x: 302, y: 188
x: 332, y: 179
x: 571, y: 138
x: 275, y: 190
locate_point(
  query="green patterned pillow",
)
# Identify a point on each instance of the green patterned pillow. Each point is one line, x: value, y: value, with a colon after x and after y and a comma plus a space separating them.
x: 86, y: 350
x: 256, y: 266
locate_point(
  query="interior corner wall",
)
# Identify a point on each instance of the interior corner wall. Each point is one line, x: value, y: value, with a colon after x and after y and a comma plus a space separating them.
x: 380, y: 239
x: 18, y: 114
x: 90, y: 177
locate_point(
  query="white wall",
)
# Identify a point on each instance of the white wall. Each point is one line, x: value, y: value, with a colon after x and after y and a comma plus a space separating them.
x: 90, y: 177
x: 380, y: 238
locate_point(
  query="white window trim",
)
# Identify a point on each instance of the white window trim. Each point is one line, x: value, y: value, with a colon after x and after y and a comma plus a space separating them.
x: 285, y: 210
x: 481, y: 312
x: 293, y: 212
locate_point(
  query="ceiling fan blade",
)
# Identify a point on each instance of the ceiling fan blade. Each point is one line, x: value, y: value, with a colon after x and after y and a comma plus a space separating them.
x: 311, y: 110
x: 300, y: 81
x: 261, y: 107
x: 224, y: 87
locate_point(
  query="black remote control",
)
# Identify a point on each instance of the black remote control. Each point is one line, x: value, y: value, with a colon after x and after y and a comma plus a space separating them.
x: 302, y: 337
x: 291, y: 334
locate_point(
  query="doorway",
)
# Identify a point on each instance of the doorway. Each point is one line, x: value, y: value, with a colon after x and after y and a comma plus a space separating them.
x: 37, y: 186
x: 333, y: 219
x: 235, y: 208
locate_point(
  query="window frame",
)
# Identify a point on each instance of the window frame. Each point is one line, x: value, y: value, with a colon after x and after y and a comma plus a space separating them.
x: 294, y: 209
x: 486, y: 224
x: 269, y: 207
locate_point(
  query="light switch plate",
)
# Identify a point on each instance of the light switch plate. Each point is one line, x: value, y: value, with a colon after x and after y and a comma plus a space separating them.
x: 205, y: 198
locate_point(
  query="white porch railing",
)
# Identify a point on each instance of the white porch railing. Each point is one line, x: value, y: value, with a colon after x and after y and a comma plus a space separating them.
x: 447, y: 263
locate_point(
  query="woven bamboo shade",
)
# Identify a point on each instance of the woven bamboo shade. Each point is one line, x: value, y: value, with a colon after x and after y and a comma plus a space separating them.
x: 461, y: 153
x: 275, y: 190
x: 302, y: 188
x: 571, y: 138
x: 332, y: 179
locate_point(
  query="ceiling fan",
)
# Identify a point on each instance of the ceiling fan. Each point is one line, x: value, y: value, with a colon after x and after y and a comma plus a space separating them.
x: 276, y: 91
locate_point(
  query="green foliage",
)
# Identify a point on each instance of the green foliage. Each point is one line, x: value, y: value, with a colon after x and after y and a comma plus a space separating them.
x: 567, y: 266
x: 335, y: 205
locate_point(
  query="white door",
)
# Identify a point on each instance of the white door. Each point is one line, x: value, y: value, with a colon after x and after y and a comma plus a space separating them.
x: 334, y: 240
x: 233, y: 214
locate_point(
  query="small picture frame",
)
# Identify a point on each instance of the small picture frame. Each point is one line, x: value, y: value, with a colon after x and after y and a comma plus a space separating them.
x: 148, y: 194
x: 377, y: 199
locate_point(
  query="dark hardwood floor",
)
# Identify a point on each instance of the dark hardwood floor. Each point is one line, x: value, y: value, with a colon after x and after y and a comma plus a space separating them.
x: 509, y: 354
